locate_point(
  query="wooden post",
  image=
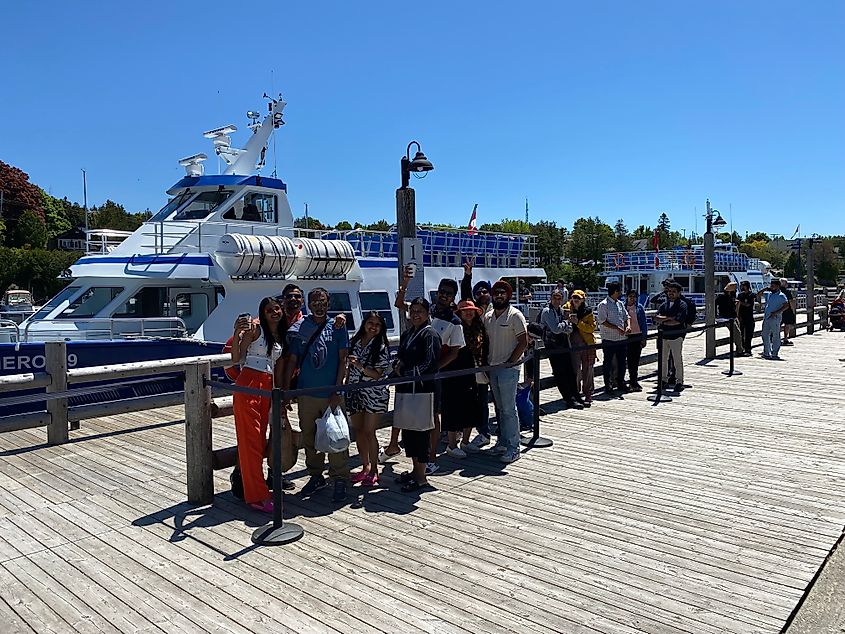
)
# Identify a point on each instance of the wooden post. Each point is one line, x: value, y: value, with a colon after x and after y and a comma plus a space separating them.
x: 406, y: 227
x: 55, y: 353
x: 811, y: 290
x: 198, y: 433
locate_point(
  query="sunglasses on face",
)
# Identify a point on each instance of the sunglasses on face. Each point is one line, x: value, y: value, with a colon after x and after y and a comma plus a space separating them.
x: 446, y: 292
x: 293, y: 296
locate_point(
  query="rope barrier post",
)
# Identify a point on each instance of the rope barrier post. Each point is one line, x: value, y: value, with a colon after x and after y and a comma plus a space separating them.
x: 731, y: 371
x: 535, y: 440
x: 658, y: 396
x: 277, y: 532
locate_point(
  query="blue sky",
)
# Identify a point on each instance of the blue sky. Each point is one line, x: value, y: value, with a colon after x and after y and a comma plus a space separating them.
x: 615, y: 109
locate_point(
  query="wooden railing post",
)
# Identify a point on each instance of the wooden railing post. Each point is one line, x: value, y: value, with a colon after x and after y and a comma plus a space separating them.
x: 198, y: 433
x: 55, y: 353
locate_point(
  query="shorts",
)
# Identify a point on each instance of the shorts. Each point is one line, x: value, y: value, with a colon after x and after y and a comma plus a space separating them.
x: 788, y: 318
x: 417, y: 444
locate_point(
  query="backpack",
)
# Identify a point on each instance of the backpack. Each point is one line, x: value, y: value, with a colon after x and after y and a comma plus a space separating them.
x: 692, y: 310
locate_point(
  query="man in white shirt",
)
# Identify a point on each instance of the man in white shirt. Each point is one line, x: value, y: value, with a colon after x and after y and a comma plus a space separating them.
x: 508, y: 334
x: 614, y: 330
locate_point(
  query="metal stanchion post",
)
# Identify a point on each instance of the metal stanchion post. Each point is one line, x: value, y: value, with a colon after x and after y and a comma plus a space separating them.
x: 277, y: 532
x: 658, y: 396
x: 535, y: 440
x: 731, y: 371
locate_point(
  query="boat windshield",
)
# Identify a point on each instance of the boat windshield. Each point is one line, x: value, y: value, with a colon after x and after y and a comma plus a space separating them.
x: 172, y: 205
x: 50, y: 306
x: 203, y: 205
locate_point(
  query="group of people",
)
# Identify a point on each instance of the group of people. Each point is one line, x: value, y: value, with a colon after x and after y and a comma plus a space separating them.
x: 778, y: 315
x: 284, y: 348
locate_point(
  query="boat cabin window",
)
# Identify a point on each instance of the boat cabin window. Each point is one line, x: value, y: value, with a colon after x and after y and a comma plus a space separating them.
x: 150, y: 301
x: 201, y: 206
x: 339, y: 303
x: 172, y: 205
x: 49, y: 307
x: 379, y: 302
x: 191, y: 308
x: 91, y: 302
x: 254, y: 208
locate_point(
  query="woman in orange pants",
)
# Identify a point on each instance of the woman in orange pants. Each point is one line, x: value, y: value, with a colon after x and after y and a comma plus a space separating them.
x: 259, y: 351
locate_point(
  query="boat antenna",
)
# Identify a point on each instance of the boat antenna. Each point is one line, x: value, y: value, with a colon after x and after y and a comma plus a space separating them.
x: 526, y: 211
x: 273, y: 91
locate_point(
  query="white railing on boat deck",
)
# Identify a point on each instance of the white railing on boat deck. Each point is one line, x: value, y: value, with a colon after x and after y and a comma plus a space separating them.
x: 676, y: 260
x: 103, y: 328
x: 445, y: 246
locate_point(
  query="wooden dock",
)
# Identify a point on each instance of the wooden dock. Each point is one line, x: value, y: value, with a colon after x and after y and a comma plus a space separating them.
x: 708, y: 514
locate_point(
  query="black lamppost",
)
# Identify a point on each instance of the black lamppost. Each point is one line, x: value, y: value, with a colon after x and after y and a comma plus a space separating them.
x: 710, y: 279
x: 406, y: 220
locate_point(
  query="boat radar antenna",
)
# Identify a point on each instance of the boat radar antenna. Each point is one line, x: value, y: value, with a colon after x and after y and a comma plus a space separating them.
x: 242, y: 162
x: 193, y: 164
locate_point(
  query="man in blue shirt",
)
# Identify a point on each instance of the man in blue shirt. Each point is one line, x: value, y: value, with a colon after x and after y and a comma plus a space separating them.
x: 776, y: 304
x: 320, y: 352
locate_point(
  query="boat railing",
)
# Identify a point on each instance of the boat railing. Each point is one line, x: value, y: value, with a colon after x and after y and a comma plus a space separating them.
x: 441, y: 247
x: 98, y: 328
x: 6, y: 324
x: 691, y: 260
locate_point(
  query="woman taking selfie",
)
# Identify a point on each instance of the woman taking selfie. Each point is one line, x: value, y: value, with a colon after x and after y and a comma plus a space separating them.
x: 258, y: 349
x: 368, y: 360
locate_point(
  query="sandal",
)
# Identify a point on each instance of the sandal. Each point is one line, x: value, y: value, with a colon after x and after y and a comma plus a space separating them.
x: 413, y: 486
x: 404, y: 478
x: 384, y: 456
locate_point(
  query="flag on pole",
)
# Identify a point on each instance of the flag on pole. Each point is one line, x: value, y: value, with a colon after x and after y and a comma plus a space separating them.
x: 471, y: 230
x: 655, y: 240
x: 797, y: 229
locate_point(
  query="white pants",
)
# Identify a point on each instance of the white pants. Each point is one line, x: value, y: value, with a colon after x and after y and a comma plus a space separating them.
x: 675, y: 346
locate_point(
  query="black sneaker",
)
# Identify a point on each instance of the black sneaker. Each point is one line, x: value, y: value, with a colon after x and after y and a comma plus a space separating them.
x: 339, y: 494
x: 573, y: 404
x: 786, y: 342
x: 237, y: 483
x: 287, y: 485
x: 314, y: 484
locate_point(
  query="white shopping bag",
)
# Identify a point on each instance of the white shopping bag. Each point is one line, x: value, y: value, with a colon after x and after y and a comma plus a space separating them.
x: 332, y: 432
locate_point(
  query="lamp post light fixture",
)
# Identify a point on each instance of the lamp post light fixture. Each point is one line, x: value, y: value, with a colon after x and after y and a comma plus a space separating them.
x: 710, y: 279
x: 406, y: 220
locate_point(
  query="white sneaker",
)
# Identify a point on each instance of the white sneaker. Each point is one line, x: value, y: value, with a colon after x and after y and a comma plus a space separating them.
x: 498, y: 450
x: 476, y: 444
x: 511, y: 456
x: 457, y: 452
x: 431, y: 467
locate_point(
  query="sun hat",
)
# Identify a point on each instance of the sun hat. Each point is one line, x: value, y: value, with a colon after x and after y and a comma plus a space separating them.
x: 468, y: 304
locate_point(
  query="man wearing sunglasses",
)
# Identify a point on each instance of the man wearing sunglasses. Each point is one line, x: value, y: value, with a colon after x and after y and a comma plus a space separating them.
x: 292, y: 300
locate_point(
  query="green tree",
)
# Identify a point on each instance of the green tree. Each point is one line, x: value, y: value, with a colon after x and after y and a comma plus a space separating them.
x: 590, y: 240
x: 112, y: 215
x: 757, y: 236
x: 309, y: 223
x: 381, y: 225
x: 622, y: 238
x: 551, y: 242
x: 826, y: 262
x: 55, y: 216
x: 343, y: 225
x: 31, y: 232
x: 642, y: 233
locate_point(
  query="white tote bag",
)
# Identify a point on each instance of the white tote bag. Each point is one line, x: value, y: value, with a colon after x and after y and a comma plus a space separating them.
x: 413, y: 411
x: 332, y: 432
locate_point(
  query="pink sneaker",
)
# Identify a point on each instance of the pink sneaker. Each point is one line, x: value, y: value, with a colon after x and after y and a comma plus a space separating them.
x: 370, y: 480
x: 265, y: 507
x: 355, y: 478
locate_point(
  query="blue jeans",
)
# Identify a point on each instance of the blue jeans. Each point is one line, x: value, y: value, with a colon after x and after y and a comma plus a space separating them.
x: 771, y: 336
x: 503, y: 384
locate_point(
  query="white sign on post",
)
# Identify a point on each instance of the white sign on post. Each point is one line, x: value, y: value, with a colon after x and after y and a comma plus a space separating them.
x: 411, y: 254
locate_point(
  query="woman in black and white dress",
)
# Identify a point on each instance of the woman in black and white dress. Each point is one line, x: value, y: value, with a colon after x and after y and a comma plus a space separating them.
x: 369, y: 359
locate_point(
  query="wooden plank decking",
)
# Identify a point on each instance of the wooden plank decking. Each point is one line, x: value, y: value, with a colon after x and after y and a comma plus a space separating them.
x: 708, y: 514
